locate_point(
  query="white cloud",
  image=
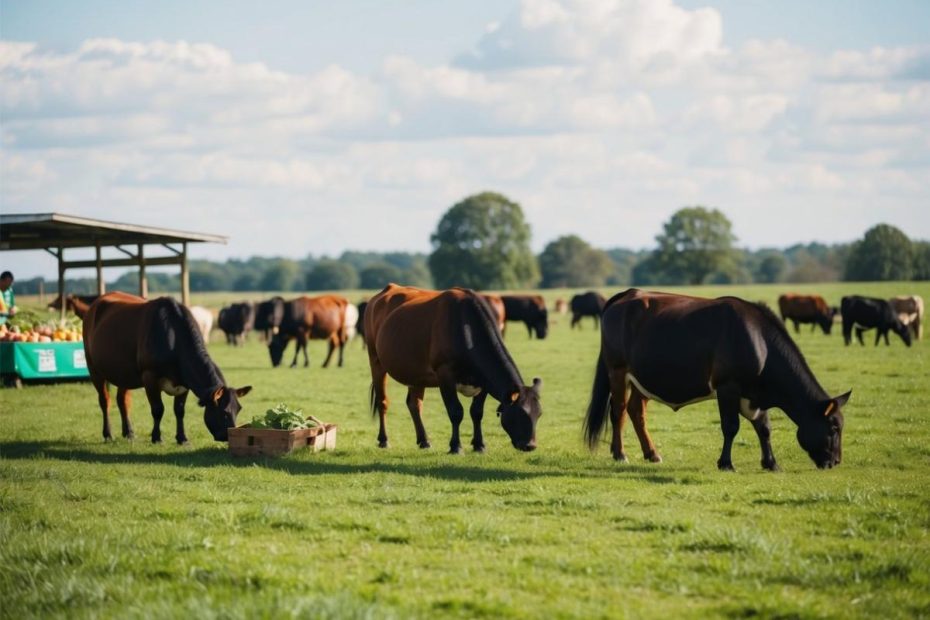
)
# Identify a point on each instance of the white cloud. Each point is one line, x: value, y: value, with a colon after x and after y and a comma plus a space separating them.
x: 600, y: 116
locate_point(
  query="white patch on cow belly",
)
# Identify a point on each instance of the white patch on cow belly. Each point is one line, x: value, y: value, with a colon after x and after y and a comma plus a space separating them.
x: 469, y: 391
x: 170, y: 388
x: 675, y: 406
x: 746, y: 411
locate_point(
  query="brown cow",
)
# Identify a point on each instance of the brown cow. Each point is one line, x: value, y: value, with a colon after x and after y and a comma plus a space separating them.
x: 446, y: 339
x: 497, y: 306
x: 78, y: 304
x: 133, y: 343
x: 561, y: 306
x: 806, y: 309
x: 315, y: 318
x: 910, y: 311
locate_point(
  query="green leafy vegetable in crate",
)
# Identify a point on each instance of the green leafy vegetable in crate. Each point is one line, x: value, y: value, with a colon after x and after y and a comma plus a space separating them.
x: 283, y: 417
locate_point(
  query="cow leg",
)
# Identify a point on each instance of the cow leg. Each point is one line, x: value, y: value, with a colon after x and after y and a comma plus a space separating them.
x: 885, y: 334
x: 529, y: 330
x: 103, y: 399
x: 331, y: 344
x: 342, y: 347
x: 179, y: 402
x: 847, y: 332
x: 859, y: 333
x: 636, y: 409
x: 729, y: 407
x: 122, y: 401
x: 456, y: 413
x: 296, y: 351
x: 477, y: 412
x: 415, y: 406
x: 764, y: 430
x: 597, y: 323
x: 797, y: 326
x: 379, y: 399
x: 303, y: 345
x: 619, y: 395
x: 153, y: 393
x: 575, y: 319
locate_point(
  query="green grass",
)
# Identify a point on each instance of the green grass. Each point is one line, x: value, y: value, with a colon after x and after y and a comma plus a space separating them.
x: 128, y: 529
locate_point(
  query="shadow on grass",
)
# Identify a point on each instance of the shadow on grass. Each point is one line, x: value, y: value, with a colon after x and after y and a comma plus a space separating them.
x: 210, y: 457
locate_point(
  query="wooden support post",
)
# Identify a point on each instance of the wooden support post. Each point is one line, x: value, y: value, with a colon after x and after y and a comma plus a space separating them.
x: 61, y: 281
x: 101, y: 285
x: 143, y: 282
x: 185, y: 277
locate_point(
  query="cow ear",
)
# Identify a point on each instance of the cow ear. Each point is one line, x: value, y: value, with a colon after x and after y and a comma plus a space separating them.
x: 240, y: 392
x: 275, y: 330
x: 514, y: 396
x: 835, y: 404
x: 537, y: 385
x: 217, y: 395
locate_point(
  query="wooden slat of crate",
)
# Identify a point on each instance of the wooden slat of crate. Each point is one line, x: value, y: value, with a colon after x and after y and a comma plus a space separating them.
x: 248, y: 441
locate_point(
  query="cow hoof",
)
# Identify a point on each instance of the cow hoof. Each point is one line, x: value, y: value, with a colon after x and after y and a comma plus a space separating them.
x: 130, y: 436
x: 424, y: 445
x: 156, y: 439
x: 655, y: 457
x: 773, y: 466
x: 725, y: 466
x: 479, y: 449
x: 620, y: 458
x: 383, y: 444
x: 183, y: 441
x: 455, y: 450
x: 107, y: 438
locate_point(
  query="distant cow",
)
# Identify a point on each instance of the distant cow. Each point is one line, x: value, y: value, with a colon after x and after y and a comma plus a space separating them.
x: 587, y: 304
x: 561, y: 306
x: 236, y: 321
x: 910, y: 311
x: 864, y: 313
x: 351, y: 320
x: 497, y: 307
x: 806, y: 309
x: 204, y: 319
x: 268, y: 317
x: 530, y: 309
x: 304, y: 318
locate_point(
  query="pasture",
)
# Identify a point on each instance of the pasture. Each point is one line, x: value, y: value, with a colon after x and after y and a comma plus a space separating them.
x: 128, y: 529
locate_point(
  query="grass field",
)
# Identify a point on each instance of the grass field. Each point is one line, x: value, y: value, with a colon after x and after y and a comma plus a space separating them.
x: 128, y: 529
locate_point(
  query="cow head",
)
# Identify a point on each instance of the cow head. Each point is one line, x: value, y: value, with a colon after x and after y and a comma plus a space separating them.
x: 519, y: 416
x: 541, y: 325
x: 826, y: 322
x: 276, y: 347
x: 902, y: 330
x: 821, y: 435
x: 221, y: 409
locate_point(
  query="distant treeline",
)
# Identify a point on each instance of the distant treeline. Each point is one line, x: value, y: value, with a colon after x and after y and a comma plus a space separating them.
x: 483, y: 243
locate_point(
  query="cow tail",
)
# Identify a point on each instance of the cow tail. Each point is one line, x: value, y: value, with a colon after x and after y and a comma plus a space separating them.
x: 596, y: 417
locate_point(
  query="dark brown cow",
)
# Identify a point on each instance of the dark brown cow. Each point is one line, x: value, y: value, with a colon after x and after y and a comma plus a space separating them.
x: 587, y: 304
x: 497, y: 306
x: 806, y: 309
x: 530, y: 309
x: 133, y: 343
x: 78, y: 304
x: 910, y: 311
x: 446, y: 339
x: 679, y: 350
x: 313, y: 318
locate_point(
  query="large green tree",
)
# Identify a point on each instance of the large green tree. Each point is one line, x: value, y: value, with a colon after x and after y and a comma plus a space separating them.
x: 570, y: 261
x: 695, y: 243
x: 884, y: 253
x: 483, y: 242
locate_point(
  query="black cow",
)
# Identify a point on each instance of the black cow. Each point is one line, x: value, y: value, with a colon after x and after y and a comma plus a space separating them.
x: 679, y: 350
x: 530, y: 309
x: 236, y: 321
x: 587, y: 304
x: 268, y: 317
x: 864, y: 313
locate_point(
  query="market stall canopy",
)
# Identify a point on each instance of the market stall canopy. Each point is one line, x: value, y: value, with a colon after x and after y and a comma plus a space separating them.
x: 55, y: 232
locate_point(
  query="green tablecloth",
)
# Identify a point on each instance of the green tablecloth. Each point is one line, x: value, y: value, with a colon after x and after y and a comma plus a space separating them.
x: 43, y: 360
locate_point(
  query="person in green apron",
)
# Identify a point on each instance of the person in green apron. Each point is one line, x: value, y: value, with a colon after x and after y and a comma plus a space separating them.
x: 7, y: 299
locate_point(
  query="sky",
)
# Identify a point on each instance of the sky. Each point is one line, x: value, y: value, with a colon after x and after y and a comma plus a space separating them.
x: 312, y: 127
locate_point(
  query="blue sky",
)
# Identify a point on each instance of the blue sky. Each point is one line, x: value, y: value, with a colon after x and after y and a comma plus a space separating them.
x: 315, y: 127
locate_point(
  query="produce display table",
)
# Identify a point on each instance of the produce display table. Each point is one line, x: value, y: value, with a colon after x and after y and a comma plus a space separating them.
x: 42, y: 360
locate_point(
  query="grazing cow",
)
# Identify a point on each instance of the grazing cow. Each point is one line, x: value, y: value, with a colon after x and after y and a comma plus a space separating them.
x: 806, y: 309
x: 351, y: 321
x: 865, y: 313
x: 910, y: 311
x: 204, y: 320
x: 360, y: 324
x: 497, y: 309
x: 587, y: 304
x: 236, y: 321
x: 304, y: 318
x: 530, y: 309
x: 133, y: 343
x: 446, y: 339
x: 679, y: 350
x: 561, y: 306
x: 268, y: 317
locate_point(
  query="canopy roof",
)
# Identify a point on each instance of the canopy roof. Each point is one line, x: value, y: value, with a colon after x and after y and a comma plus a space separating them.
x: 37, y: 231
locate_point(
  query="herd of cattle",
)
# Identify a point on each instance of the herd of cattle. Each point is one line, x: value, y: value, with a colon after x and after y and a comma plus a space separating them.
x: 674, y: 349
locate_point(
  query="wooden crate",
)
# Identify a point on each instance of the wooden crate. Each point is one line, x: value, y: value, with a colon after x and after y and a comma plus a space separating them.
x: 247, y: 441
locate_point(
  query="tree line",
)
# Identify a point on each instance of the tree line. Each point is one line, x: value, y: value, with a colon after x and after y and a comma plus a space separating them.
x: 483, y: 242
